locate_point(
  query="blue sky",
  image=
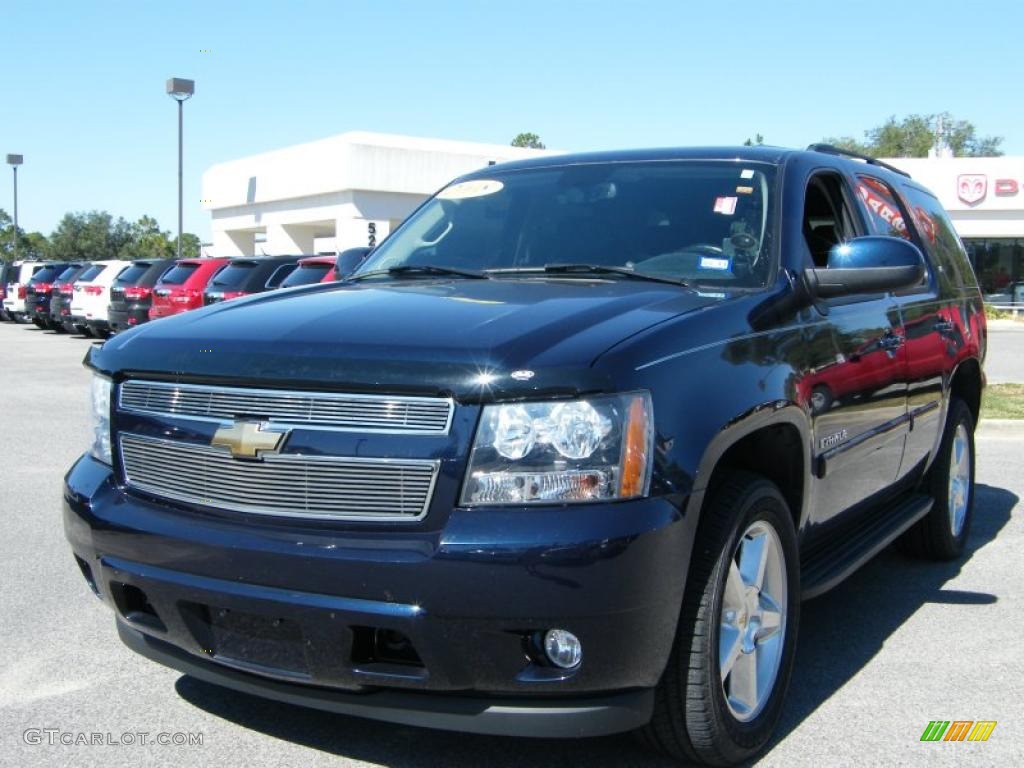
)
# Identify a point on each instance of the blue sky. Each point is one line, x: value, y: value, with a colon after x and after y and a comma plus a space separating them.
x: 82, y: 84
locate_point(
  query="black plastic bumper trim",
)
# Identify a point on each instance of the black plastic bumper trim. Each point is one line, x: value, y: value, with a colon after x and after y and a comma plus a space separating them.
x: 540, y: 718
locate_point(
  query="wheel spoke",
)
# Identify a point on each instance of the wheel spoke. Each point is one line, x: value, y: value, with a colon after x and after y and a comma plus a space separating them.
x: 771, y: 618
x: 732, y: 598
x: 743, y: 682
x: 729, y: 646
x: 753, y: 557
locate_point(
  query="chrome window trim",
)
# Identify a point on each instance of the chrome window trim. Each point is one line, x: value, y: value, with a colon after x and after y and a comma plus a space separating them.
x: 312, y: 395
x: 434, y: 465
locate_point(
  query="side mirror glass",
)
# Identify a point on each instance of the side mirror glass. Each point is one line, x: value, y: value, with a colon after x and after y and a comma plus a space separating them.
x: 349, y: 260
x: 872, y: 264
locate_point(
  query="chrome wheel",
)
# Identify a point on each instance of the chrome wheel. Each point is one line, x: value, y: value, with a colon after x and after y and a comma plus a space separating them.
x: 959, y: 479
x: 752, y: 625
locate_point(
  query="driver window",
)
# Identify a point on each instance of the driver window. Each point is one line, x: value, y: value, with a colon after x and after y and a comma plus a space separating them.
x: 827, y: 220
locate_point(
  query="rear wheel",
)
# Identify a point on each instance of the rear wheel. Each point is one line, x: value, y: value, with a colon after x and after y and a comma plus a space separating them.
x: 722, y: 692
x: 942, y: 533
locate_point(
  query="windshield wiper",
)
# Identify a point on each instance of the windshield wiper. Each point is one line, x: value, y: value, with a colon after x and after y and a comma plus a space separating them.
x: 423, y: 269
x: 598, y: 269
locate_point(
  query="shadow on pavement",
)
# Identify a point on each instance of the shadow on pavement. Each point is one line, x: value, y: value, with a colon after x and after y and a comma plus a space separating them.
x: 835, y: 642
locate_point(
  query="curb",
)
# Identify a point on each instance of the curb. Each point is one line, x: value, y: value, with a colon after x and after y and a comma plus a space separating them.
x: 1005, y: 428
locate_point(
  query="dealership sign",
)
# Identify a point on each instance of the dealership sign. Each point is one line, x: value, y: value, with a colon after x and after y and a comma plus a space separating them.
x: 971, y: 187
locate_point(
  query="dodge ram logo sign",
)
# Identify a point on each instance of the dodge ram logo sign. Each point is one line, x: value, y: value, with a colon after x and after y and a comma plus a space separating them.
x: 971, y: 187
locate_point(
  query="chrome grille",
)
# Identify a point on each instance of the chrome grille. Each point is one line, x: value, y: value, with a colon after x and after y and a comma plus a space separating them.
x: 283, y: 484
x: 344, y: 412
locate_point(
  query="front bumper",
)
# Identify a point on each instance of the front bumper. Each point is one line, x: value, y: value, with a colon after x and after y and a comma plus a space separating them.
x: 284, y: 610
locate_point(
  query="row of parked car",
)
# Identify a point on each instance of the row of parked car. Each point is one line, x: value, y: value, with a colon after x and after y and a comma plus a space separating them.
x: 99, y: 298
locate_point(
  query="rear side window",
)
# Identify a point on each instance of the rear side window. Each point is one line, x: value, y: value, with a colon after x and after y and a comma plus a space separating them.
x: 90, y: 273
x: 178, y: 274
x: 133, y: 273
x: 306, y: 274
x: 883, y: 210
x: 233, y: 275
x: 939, y: 237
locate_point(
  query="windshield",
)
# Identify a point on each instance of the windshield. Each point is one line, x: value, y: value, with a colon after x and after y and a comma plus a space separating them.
x: 306, y: 274
x: 47, y: 274
x: 233, y: 275
x: 90, y: 273
x: 179, y: 273
x: 133, y: 273
x: 693, y: 221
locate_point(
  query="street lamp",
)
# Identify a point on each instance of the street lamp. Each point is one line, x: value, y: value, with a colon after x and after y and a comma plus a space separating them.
x: 181, y: 91
x: 14, y: 161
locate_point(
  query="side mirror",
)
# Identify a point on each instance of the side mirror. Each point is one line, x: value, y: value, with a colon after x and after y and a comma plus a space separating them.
x: 870, y: 264
x: 349, y: 260
x: 873, y: 264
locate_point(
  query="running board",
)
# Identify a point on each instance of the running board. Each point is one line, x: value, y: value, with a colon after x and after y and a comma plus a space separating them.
x: 827, y: 565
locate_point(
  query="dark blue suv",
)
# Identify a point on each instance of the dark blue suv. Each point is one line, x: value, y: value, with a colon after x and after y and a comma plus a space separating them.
x: 561, y: 458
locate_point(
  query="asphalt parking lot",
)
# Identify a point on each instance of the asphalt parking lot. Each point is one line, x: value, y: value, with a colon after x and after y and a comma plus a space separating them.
x: 899, y: 644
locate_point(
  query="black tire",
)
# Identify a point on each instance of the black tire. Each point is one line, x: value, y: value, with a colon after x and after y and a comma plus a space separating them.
x: 83, y: 330
x: 933, y: 536
x: 692, y: 720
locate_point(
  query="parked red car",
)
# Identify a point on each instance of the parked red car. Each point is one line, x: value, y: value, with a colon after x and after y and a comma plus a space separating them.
x: 181, y: 287
x: 312, y: 269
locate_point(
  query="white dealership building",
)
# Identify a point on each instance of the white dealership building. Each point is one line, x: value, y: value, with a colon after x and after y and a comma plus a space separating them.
x: 353, y: 188
x: 336, y: 193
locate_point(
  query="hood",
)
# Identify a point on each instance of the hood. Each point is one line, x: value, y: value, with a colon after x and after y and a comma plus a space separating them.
x: 452, y: 337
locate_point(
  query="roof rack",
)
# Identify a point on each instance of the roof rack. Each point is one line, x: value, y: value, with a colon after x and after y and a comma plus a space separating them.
x: 829, y: 149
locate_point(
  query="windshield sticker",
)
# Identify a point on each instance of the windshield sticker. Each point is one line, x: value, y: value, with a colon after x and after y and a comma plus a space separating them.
x: 711, y: 262
x: 726, y: 205
x: 744, y: 190
x: 472, y: 188
x: 747, y: 173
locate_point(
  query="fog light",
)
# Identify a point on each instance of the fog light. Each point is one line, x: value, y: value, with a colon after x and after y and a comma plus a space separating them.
x: 562, y: 648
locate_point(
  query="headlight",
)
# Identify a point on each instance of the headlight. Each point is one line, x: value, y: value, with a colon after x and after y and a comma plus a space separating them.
x: 591, y: 449
x: 101, y: 388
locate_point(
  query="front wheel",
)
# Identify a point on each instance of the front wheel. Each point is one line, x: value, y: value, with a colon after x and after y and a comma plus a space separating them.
x: 721, y: 694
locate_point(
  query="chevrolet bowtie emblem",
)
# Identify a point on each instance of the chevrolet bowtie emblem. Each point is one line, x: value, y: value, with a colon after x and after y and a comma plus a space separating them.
x: 248, y: 439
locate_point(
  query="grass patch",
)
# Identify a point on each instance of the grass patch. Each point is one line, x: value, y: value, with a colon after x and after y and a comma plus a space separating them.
x: 992, y: 313
x: 1003, y: 401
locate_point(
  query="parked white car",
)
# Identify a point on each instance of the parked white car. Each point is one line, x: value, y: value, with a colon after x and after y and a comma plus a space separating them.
x: 14, y: 296
x: 90, y: 299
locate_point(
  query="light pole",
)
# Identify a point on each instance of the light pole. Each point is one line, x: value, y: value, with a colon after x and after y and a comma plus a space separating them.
x: 181, y: 91
x: 14, y: 161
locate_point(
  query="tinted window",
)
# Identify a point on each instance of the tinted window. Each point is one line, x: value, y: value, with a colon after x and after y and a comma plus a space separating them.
x: 47, y: 274
x: 133, y: 273
x: 884, y: 213
x: 280, y: 274
x: 233, y: 275
x: 700, y: 221
x: 940, y: 238
x: 68, y: 273
x: 178, y: 274
x: 90, y: 272
x: 306, y: 274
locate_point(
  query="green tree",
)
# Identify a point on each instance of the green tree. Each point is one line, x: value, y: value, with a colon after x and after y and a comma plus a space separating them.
x: 758, y: 140
x: 189, y: 246
x: 148, y: 241
x: 31, y: 245
x: 914, y: 135
x: 89, y: 236
x: 531, y: 140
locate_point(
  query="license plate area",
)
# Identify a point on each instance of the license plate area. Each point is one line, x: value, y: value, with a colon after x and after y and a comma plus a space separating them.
x: 259, y: 643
